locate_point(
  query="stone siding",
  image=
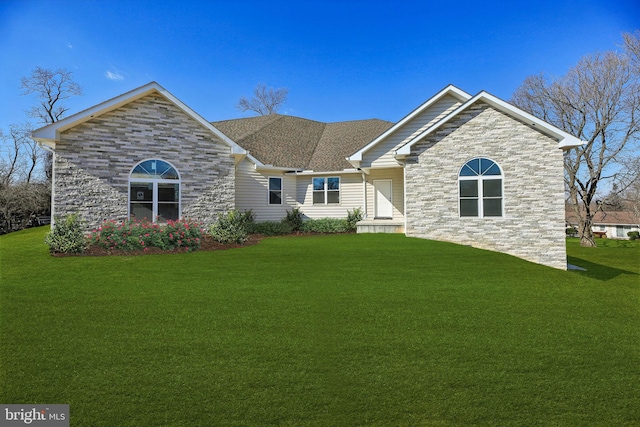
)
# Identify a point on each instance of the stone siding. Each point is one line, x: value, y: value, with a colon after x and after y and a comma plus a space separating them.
x: 532, y: 227
x: 94, y: 159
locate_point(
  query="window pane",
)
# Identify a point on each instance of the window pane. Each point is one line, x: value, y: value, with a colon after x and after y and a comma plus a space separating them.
x: 333, y: 197
x: 168, y: 192
x: 318, y: 183
x: 467, y: 171
x: 492, y: 207
x: 141, y: 192
x: 492, y: 188
x: 469, y: 188
x: 333, y: 183
x: 318, y: 197
x: 154, y: 169
x: 142, y: 211
x: 474, y: 166
x: 492, y: 170
x: 469, y: 207
x: 275, y: 183
x: 275, y: 197
x: 167, y: 211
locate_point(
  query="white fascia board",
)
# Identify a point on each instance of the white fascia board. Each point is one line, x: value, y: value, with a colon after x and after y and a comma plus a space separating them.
x: 449, y: 90
x: 565, y: 140
x: 317, y: 173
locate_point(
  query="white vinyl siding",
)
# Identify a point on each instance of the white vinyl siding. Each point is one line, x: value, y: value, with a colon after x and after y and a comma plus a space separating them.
x: 350, y: 197
x: 382, y: 154
x: 252, y: 192
x: 396, y: 175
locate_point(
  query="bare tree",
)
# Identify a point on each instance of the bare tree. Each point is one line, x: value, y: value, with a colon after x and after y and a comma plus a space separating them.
x: 51, y: 87
x: 598, y: 101
x: 265, y: 100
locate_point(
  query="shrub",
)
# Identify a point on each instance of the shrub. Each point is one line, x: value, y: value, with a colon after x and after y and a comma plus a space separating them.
x: 67, y: 236
x: 132, y: 235
x: 353, y: 217
x: 247, y: 218
x: 294, y: 219
x: 269, y: 228
x: 634, y: 235
x: 230, y: 228
x: 571, y: 231
x: 325, y: 225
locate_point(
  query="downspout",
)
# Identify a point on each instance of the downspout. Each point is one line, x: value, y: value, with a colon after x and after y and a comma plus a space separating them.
x: 364, y: 193
x: 53, y: 180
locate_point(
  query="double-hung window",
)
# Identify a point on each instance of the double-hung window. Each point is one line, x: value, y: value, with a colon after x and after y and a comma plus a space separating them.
x: 275, y: 191
x: 154, y: 191
x: 480, y: 189
x: 326, y: 191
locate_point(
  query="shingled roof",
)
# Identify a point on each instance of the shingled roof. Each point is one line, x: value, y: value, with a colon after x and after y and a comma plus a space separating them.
x: 297, y: 143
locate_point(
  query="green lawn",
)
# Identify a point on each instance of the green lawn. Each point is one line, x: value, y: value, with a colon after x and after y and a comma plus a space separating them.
x: 338, y: 330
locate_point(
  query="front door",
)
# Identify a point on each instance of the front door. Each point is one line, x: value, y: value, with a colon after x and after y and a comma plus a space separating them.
x: 383, y: 198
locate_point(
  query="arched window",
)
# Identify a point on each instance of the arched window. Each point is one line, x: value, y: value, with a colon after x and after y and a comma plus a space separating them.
x: 480, y: 186
x: 154, y: 191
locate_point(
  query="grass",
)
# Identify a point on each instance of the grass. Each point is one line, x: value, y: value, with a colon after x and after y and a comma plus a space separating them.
x: 341, y: 330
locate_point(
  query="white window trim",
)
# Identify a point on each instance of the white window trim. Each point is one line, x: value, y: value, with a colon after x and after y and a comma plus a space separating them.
x: 155, y: 182
x: 269, y: 178
x: 326, y: 191
x: 479, y: 179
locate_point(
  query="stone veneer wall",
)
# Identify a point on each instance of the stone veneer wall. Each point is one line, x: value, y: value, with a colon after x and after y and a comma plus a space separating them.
x: 94, y: 159
x: 533, y: 224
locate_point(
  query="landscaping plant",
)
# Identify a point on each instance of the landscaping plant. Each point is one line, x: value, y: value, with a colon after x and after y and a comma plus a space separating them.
x: 67, y: 236
x: 134, y: 235
x: 294, y: 219
x: 231, y: 227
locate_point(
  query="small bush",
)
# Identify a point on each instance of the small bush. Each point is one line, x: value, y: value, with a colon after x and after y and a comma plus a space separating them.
x: 269, y: 228
x: 353, y: 217
x: 294, y: 219
x: 571, y: 232
x: 132, y: 235
x: 247, y: 218
x: 230, y: 228
x: 634, y: 235
x: 325, y: 225
x: 67, y: 236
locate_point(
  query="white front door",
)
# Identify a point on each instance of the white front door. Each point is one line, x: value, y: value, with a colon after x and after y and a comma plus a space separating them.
x: 383, y: 198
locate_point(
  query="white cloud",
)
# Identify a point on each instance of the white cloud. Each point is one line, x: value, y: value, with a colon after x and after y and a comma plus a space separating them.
x: 70, y: 46
x: 114, y: 75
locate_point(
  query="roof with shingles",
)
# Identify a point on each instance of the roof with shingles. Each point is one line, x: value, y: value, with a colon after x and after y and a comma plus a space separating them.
x: 611, y: 218
x: 297, y: 143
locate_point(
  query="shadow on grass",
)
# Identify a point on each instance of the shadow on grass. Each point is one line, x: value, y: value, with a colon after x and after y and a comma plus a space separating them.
x: 598, y: 271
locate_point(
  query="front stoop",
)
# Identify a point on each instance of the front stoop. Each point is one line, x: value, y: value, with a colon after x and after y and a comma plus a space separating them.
x: 380, y: 226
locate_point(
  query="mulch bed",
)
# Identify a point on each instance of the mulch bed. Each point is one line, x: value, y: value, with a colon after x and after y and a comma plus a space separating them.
x: 207, y: 244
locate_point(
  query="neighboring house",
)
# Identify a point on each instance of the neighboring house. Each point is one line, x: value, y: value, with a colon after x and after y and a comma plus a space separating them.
x: 467, y: 169
x: 613, y: 225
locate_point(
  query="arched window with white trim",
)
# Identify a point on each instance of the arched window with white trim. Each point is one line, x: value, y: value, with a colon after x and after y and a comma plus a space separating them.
x: 154, y: 191
x: 480, y: 189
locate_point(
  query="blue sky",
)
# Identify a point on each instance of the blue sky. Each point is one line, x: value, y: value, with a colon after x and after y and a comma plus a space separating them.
x: 340, y: 60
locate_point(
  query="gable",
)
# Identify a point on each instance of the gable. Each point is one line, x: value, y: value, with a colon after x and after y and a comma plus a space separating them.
x: 50, y: 134
x: 380, y: 152
x: 383, y: 153
x: 563, y: 139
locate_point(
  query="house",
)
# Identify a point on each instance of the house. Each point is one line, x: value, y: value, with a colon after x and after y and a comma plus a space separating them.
x: 612, y: 225
x: 472, y: 170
